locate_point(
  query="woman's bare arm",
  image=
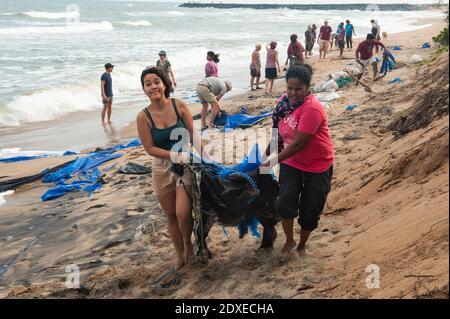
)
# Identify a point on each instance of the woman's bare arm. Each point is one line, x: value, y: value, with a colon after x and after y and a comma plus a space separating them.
x: 172, y: 76
x: 186, y: 114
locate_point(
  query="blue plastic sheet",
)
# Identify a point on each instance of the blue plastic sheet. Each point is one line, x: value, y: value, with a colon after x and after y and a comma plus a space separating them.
x: 59, y: 191
x: 134, y: 143
x: 20, y: 158
x: 67, y: 153
x: 65, y: 172
x: 244, y: 120
x: 351, y: 107
x: 426, y: 45
x: 388, y: 62
x: 87, y: 171
x: 244, y: 226
x: 248, y: 164
x: 396, y: 80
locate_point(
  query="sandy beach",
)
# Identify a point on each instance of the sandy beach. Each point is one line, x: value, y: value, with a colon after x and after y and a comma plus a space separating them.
x: 388, y: 207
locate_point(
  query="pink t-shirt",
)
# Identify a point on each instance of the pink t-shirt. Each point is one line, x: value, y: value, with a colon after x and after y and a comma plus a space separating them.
x: 211, y: 69
x: 317, y: 156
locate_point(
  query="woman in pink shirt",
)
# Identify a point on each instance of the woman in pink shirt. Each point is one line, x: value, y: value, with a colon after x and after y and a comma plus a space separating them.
x: 305, y: 154
x: 211, y: 68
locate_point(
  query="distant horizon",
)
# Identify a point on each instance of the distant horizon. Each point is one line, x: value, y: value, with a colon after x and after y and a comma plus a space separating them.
x: 300, y: 1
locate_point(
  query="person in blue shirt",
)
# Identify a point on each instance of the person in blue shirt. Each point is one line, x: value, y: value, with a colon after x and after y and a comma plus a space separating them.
x: 107, y: 93
x: 349, y: 32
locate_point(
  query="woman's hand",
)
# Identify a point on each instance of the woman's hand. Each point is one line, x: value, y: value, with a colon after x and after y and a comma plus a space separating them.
x: 180, y: 158
x: 265, y: 164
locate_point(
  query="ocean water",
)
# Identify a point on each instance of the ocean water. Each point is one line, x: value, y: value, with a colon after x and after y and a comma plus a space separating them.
x: 52, y: 52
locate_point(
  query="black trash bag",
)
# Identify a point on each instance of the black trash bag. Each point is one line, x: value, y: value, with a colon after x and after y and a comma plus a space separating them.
x: 135, y: 169
x: 230, y: 201
x: 222, y: 119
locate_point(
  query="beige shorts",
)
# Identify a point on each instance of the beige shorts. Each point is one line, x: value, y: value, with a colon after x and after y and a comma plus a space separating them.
x: 324, y: 45
x: 368, y: 61
x: 166, y: 181
x: 205, y: 95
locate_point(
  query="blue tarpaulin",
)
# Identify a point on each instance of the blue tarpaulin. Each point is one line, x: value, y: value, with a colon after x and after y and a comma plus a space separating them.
x: 395, y: 80
x: 20, y: 158
x: 87, y: 172
x: 244, y: 120
x: 85, y: 169
x: 248, y: 164
x: 388, y: 62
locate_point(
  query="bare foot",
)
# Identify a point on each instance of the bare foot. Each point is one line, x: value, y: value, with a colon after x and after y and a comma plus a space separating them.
x: 301, y: 251
x: 188, y: 252
x: 179, y: 263
x: 286, y: 251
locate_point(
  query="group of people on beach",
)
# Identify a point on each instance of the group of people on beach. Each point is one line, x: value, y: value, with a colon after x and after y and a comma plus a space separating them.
x: 211, y: 89
x: 297, y: 53
x: 305, y: 155
x: 305, y: 148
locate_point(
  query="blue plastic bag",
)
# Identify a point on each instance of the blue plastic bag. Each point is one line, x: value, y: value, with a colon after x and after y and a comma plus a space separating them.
x: 395, y: 80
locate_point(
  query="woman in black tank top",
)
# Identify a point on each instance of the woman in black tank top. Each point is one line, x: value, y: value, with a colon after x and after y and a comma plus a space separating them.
x: 155, y: 124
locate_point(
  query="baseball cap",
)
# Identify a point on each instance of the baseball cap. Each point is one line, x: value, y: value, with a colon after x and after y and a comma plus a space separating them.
x: 109, y: 65
x: 162, y: 52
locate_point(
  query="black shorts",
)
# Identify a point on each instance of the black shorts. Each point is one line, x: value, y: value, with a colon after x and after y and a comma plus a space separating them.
x: 271, y: 73
x: 341, y: 44
x: 255, y: 73
x: 303, y: 195
x: 109, y: 100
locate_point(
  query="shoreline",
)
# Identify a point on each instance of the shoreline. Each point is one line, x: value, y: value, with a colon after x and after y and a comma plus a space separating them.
x: 82, y: 126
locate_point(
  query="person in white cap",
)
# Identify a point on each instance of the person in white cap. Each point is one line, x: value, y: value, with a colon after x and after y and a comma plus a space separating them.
x: 164, y: 65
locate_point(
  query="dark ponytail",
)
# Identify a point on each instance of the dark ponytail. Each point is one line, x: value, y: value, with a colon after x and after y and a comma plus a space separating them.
x: 303, y: 73
x: 214, y: 56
